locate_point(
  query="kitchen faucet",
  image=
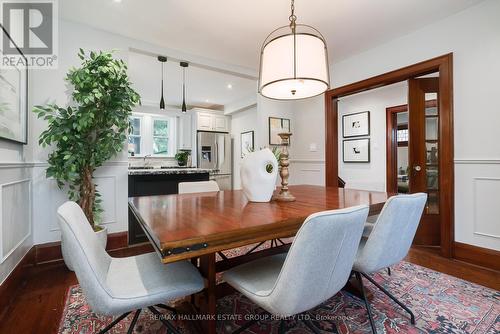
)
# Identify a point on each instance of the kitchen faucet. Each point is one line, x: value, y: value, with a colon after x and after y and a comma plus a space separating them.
x: 144, y: 159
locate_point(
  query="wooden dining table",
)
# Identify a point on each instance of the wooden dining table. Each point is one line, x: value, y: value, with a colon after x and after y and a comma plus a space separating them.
x: 200, y: 225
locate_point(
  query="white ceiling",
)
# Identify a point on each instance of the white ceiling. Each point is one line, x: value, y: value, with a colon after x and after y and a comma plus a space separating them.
x: 205, y: 88
x: 232, y: 31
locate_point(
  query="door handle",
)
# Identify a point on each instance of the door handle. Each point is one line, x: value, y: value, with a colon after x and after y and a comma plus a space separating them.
x: 417, y: 168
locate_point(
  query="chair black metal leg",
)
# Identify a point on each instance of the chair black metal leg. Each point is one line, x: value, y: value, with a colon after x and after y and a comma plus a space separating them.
x: 360, y: 280
x: 310, y: 325
x: 170, y: 327
x: 246, y: 326
x: 281, y: 241
x: 282, y: 329
x: 112, y: 324
x: 389, y: 271
x: 134, y: 321
x: 412, y: 316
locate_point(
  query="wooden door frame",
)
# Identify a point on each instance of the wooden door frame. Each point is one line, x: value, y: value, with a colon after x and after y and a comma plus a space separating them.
x: 442, y: 64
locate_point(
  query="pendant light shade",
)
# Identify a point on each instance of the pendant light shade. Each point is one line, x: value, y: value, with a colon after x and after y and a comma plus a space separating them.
x: 184, y: 65
x: 294, y: 63
x: 162, y: 60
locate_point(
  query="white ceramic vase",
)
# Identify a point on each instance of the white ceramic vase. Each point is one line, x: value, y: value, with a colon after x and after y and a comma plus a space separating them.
x: 102, y: 237
x: 256, y: 181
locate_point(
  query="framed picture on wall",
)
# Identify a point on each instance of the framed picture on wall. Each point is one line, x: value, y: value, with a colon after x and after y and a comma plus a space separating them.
x: 356, y: 125
x: 356, y: 150
x: 277, y: 125
x: 247, y: 143
x: 14, y: 99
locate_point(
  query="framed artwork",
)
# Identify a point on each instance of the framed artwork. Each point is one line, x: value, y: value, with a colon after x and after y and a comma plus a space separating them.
x: 356, y: 150
x: 13, y: 100
x: 356, y: 125
x: 247, y: 143
x: 277, y: 125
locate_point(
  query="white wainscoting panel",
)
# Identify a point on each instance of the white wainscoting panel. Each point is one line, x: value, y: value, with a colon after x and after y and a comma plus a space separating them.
x: 487, y: 206
x: 106, y: 185
x: 15, y: 214
x: 15, y: 218
x: 306, y: 171
x: 477, y: 202
x: 111, y: 181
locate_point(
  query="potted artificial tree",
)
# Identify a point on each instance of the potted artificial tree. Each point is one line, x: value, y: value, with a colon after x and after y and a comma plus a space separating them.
x: 90, y: 130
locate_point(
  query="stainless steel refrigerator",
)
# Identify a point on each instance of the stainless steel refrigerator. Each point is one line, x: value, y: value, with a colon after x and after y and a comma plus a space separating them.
x: 214, y: 152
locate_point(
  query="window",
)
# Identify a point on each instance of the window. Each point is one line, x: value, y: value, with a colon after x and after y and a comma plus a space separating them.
x: 152, y: 135
x: 134, y: 138
x: 161, y: 137
x: 402, y: 135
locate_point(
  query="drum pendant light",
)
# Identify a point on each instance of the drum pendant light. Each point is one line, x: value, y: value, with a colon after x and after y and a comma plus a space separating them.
x: 293, y: 62
x: 184, y: 65
x: 162, y: 60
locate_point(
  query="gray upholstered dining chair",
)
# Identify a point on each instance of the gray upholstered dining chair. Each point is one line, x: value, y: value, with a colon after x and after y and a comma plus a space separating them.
x: 198, y: 187
x: 389, y: 241
x: 118, y: 286
x: 315, y: 268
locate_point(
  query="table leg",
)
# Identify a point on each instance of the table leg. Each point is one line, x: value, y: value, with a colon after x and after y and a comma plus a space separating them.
x: 207, y: 269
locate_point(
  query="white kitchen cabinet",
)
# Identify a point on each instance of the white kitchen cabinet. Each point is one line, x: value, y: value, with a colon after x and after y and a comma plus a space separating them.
x: 205, y: 121
x: 212, y: 122
x: 185, y: 132
x: 220, y: 123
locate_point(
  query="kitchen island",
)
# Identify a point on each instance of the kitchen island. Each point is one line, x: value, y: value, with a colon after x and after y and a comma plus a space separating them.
x: 149, y: 181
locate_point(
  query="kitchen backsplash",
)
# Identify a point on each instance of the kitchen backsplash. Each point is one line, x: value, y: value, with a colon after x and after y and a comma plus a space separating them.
x: 151, y: 161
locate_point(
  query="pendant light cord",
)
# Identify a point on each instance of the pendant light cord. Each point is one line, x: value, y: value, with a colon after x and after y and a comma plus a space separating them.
x: 183, y: 83
x: 162, y: 71
x: 293, y: 26
x: 292, y: 16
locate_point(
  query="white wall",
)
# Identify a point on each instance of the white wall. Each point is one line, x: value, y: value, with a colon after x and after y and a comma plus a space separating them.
x: 473, y: 37
x: 16, y: 199
x: 242, y: 121
x: 272, y: 108
x: 308, y: 156
x: 50, y: 86
x: 372, y: 175
x: 257, y: 119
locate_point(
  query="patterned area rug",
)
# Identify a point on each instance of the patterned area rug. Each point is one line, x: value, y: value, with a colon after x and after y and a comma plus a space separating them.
x: 441, y: 303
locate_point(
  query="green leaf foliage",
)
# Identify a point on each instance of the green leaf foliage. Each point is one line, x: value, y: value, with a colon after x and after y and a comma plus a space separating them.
x: 93, y: 128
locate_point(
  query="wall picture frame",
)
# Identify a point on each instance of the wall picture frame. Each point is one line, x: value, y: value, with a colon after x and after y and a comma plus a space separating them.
x: 14, y: 99
x: 277, y: 125
x: 356, y: 150
x: 247, y: 142
x: 356, y: 125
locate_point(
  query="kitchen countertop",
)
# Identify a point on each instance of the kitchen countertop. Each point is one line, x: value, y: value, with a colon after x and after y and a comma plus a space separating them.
x: 164, y: 171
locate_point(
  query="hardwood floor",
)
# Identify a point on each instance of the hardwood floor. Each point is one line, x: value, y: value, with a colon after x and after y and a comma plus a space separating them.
x: 430, y: 258
x: 40, y: 299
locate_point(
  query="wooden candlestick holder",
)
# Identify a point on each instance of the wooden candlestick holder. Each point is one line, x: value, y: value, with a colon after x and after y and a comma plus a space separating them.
x: 284, y: 195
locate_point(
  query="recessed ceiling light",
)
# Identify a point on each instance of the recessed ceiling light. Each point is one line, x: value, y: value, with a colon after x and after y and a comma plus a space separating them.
x: 117, y: 1
x: 207, y: 100
x: 229, y: 86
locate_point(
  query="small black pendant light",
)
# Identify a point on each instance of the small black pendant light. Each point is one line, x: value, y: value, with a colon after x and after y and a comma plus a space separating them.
x: 162, y: 60
x: 184, y: 65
